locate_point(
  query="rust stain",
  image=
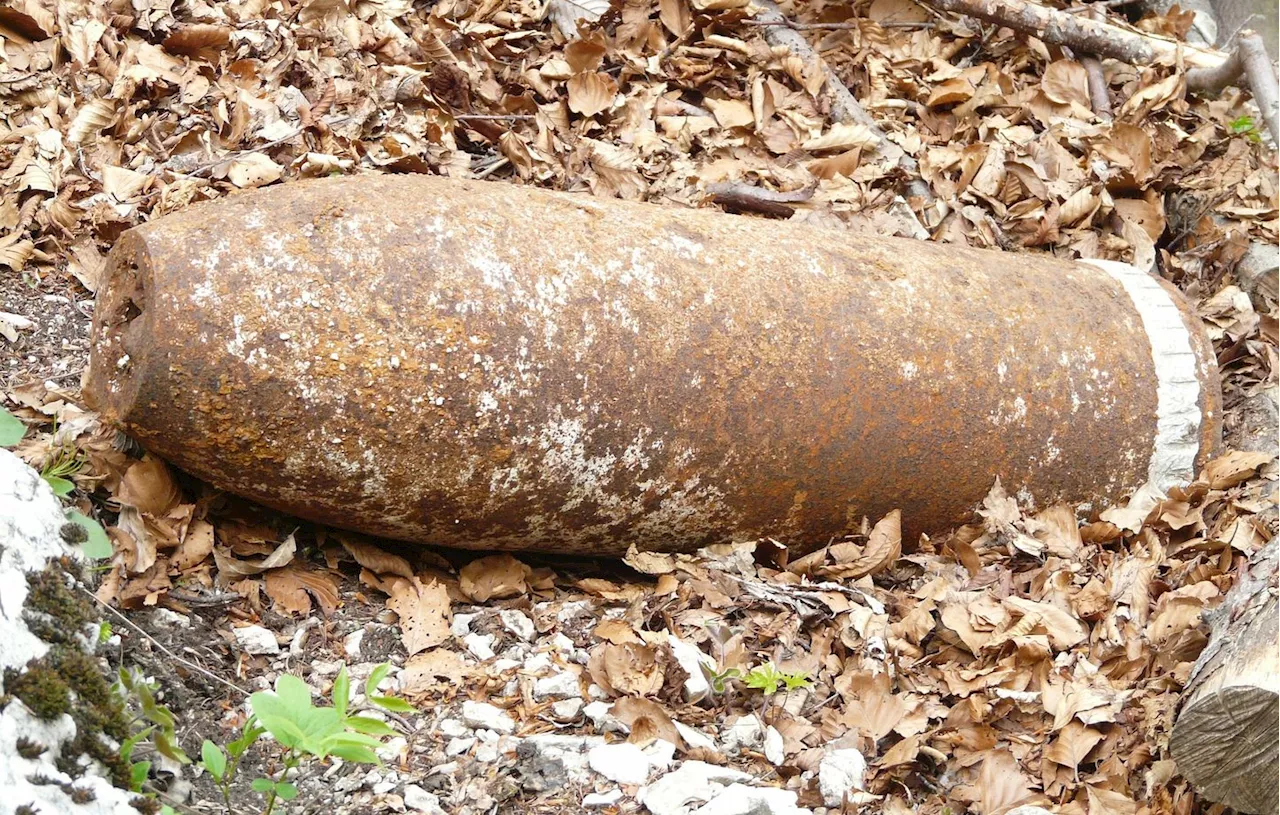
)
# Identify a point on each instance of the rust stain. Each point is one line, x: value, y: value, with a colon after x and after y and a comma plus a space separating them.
x: 489, y: 366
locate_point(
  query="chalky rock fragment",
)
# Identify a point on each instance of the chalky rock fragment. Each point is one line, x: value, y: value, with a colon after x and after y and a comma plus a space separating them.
x: 489, y: 366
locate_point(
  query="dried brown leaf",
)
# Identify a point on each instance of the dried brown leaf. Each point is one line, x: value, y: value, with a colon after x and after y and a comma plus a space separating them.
x: 424, y: 612
x: 375, y: 559
x: 493, y: 578
x: 149, y: 486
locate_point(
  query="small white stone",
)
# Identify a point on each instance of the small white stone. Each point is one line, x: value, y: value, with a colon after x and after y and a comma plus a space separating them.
x: 660, y: 754
x: 518, y: 623
x: 563, y: 643
x: 480, y: 645
x: 164, y: 615
x: 743, y: 732
x: 695, y: 738
x: 351, y: 645
x: 622, y: 763
x: 393, y: 749
x: 839, y: 772
x: 774, y: 750
x: 458, y: 746
x: 452, y: 728
x: 566, y: 710
x: 696, y: 781
x: 604, y: 721
x: 484, y: 715
x: 419, y: 800
x: 487, y: 753
x: 255, y: 639
x: 557, y: 686
x: 461, y: 625
x: 298, y: 644
x: 691, y: 659
x: 600, y: 800
x: 537, y: 663
x: 739, y: 799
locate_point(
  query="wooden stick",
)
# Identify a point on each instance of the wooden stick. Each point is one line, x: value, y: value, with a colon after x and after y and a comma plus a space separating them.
x: 1262, y: 79
x: 1099, y: 96
x: 1083, y: 35
x: 1224, y: 739
x: 844, y: 108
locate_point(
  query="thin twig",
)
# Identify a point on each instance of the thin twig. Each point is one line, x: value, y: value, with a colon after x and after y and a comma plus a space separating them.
x: 1099, y: 96
x: 676, y: 43
x: 839, y: 26
x: 161, y: 646
x: 844, y: 107
x: 496, y: 116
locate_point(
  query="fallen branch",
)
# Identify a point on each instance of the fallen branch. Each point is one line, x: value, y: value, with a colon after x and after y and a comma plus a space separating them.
x: 1083, y: 35
x: 1262, y: 79
x: 1099, y: 97
x: 1211, y: 69
x: 844, y: 108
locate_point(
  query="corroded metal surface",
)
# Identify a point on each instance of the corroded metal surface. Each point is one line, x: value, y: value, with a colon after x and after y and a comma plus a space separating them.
x: 489, y: 366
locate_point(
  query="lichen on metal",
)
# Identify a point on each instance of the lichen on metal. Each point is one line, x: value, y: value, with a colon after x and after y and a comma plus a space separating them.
x: 498, y: 367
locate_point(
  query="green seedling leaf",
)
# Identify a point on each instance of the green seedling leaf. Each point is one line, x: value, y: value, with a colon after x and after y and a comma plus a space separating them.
x: 252, y: 732
x: 104, y: 632
x: 356, y: 755
x: 375, y: 679
x: 138, y: 775
x: 61, y: 486
x: 126, y: 747
x: 764, y: 678
x: 213, y: 759
x: 799, y: 679
x: 98, y: 545
x: 11, y: 429
x: 369, y: 726
x: 167, y: 745
x: 392, y: 703
x: 263, y: 785
x: 286, y: 791
x: 341, y: 691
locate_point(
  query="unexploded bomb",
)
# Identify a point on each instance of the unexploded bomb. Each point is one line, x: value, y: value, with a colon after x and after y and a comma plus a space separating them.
x: 490, y: 366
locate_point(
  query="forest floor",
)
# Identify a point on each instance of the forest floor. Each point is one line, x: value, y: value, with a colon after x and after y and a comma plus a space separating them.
x: 1033, y: 657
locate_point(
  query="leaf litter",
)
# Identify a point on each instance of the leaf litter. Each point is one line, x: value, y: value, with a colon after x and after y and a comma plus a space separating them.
x: 1034, y: 656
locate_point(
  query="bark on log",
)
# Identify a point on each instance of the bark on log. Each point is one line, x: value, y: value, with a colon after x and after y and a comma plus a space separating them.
x: 1225, y: 739
x: 1082, y: 34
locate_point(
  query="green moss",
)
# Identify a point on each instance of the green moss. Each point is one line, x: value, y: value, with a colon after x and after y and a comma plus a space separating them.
x: 51, y: 596
x: 67, y: 680
x: 40, y: 689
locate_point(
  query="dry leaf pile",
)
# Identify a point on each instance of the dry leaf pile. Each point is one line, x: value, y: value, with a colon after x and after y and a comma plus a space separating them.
x: 1029, y: 658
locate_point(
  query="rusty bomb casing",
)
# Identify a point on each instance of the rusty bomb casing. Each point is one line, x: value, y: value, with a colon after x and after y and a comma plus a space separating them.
x: 488, y: 366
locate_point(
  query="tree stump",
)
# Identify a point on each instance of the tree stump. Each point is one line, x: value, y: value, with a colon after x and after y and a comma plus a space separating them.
x: 1225, y: 739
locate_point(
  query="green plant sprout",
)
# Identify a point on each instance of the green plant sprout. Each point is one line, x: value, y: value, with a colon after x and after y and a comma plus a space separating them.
x: 303, y: 731
x: 1246, y: 127
x: 154, y: 723
x: 768, y: 678
x: 65, y: 462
